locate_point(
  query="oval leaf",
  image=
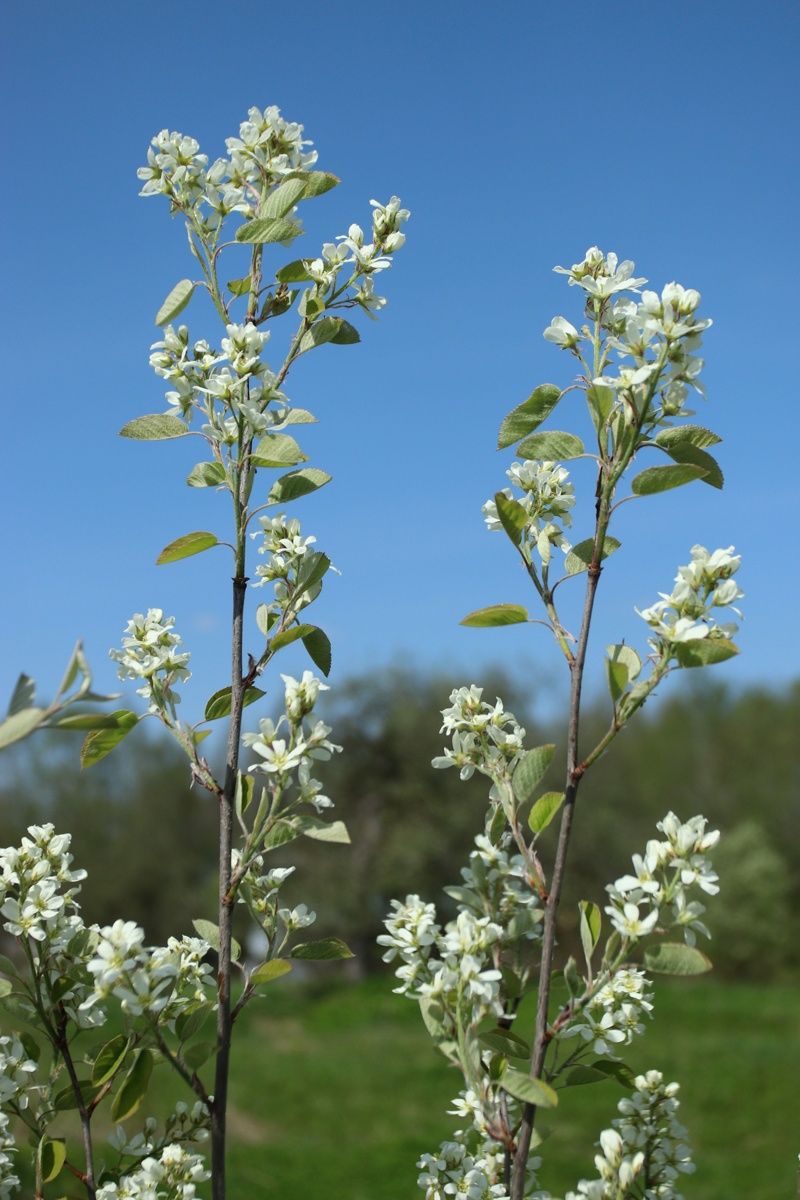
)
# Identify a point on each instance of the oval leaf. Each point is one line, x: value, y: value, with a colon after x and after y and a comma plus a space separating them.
x: 496, y: 614
x: 25, y: 691
x: 289, y: 635
x: 529, y: 415
x: 20, y: 725
x: 51, y: 1156
x: 704, y: 652
x: 268, y: 971
x: 676, y: 958
x: 206, y: 474
x: 155, y: 427
x: 293, y: 272
x: 283, y: 198
x: 210, y: 933
x: 322, y: 831
x: 175, y: 302
x: 324, y: 950
x: 627, y: 655
x: 318, y: 645
x: 661, y: 479
x: 295, y: 484
x: 186, y: 546
x: 101, y: 742
x: 192, y: 1020
x: 530, y: 1091
x: 267, y: 229
x: 615, y: 1070
x: 685, y: 452
x: 327, y: 329
x: 503, y: 1041
x: 580, y: 556
x: 319, y: 182
x: 110, y: 1059
x: 195, y: 1055
x: 529, y: 772
x: 591, y: 921
x: 544, y: 809
x: 695, y: 435
x: 512, y: 515
x: 551, y: 446
x: 134, y: 1086
x: 277, y: 450
x: 219, y: 705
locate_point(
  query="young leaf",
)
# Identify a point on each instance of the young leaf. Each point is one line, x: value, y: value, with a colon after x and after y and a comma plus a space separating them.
x: 552, y: 446
x: 186, y: 546
x: 175, y: 302
x: 50, y: 1158
x: 328, y: 329
x: 277, y: 450
x: 617, y: 679
x: 529, y: 415
x: 580, y: 556
x: 295, y: 484
x: 289, y: 635
x: 299, y: 416
x: 134, y: 1086
x: 279, y: 834
x: 239, y: 287
x: 591, y: 921
x: 600, y: 400
x: 24, y: 692
x: 265, y: 619
x: 704, y: 652
x: 583, y: 1075
x: 346, y: 334
x: 661, y: 479
x: 530, y: 1091
x: 210, y: 933
x: 283, y: 198
x: 101, y: 742
x: 219, y: 705
x: 318, y: 645
x: 262, y: 230
x: 621, y: 653
x: 293, y: 272
x: 496, y: 614
x: 685, y: 452
x: 512, y: 516
x: 615, y: 1070
x: 319, y: 182
x: 322, y: 831
x: 86, y: 721
x: 274, y: 969
x: 695, y: 435
x: 544, y: 809
x: 191, y: 1020
x: 529, y: 772
x: 572, y: 978
x: 325, y: 949
x: 313, y: 569
x: 110, y: 1059
x: 676, y: 958
x: 503, y: 1041
x: 206, y: 474
x: 155, y: 427
x: 18, y: 726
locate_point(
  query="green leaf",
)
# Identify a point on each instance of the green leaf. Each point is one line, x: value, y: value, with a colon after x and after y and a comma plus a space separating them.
x: 580, y: 556
x: 322, y: 831
x: 685, y: 452
x: 530, y: 1091
x: 265, y: 619
x: 134, y: 1086
x: 434, y: 1018
x: 617, y: 679
x: 186, y: 546
x: 50, y: 1158
x: 175, y: 302
x: 600, y: 400
x: 295, y: 484
x: 207, y: 474
x: 503, y: 1041
x: 195, y: 1055
x: 544, y: 810
x: 529, y: 415
x: 110, y: 1059
x: 7, y: 967
x: 243, y: 794
x: 530, y: 770
x: 210, y: 933
x: 661, y: 479
x: 551, y: 446
x: 328, y: 329
x: 20, y: 1011
x: 319, y: 182
x: 496, y: 614
x: 24, y: 693
x: 626, y: 655
x: 572, y: 978
x: 324, y: 950
x: 293, y: 634
x: 6, y: 987
x: 190, y: 1021
x: 676, y: 958
x: 20, y: 725
x: 591, y: 922
x: 283, y: 198
x: 695, y: 435
x: 239, y: 287
x: 704, y: 652
x: 318, y: 645
x: 583, y: 1075
x: 615, y: 1070
x: 274, y: 969
x: 277, y: 450
x: 155, y: 427
x: 101, y: 742
x: 299, y: 416
x: 512, y: 515
x: 66, y: 1098
x: 293, y: 272
x: 219, y: 705
x: 279, y: 834
x: 86, y: 721
x: 262, y: 230
x: 313, y: 569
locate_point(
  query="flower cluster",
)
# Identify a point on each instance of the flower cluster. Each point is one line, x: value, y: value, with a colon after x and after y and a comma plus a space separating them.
x: 184, y: 1124
x: 546, y: 497
x: 453, y: 1171
x: 290, y: 559
x: 280, y: 757
x: 659, y: 336
x: 685, y: 615
x: 35, y: 902
x: 498, y: 885
x: 613, y: 1014
x: 149, y: 652
x: 15, y: 1070
x: 647, y: 1144
x: 9, y: 1182
x: 485, y: 737
x: 158, y: 979
x: 661, y: 880
x: 172, y: 1176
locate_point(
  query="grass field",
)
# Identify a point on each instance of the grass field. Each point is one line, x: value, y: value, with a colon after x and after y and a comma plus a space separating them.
x: 336, y: 1092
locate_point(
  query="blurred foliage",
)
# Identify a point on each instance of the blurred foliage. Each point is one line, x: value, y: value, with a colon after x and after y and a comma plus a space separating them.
x: 149, y: 839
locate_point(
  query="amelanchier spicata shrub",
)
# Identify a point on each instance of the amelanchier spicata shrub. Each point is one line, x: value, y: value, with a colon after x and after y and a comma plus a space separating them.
x: 67, y: 979
x: 637, y: 366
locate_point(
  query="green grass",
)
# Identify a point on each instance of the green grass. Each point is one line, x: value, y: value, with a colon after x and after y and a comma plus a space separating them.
x: 336, y: 1092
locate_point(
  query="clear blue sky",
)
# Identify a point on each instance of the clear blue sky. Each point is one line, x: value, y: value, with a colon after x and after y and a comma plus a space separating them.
x: 518, y: 134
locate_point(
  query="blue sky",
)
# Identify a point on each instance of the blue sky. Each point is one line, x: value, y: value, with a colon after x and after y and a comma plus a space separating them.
x: 518, y: 134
